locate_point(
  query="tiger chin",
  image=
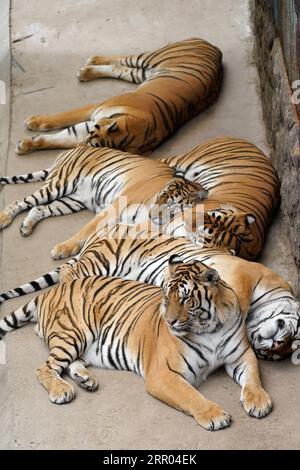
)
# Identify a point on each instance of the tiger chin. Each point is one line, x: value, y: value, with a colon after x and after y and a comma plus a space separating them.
x: 173, y: 338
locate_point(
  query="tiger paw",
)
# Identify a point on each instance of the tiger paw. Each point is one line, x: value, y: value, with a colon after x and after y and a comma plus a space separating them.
x: 256, y: 401
x: 83, y: 378
x: 5, y: 220
x: 65, y: 249
x: 26, y: 229
x: 213, y: 418
x: 25, y: 145
x: 61, y: 392
x: 97, y: 60
x: 85, y: 74
x: 37, y: 123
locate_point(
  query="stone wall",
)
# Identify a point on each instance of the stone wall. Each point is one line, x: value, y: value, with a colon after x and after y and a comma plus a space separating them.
x: 280, y: 114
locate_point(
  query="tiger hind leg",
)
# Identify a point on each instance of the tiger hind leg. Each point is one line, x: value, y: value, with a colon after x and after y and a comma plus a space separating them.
x: 63, y: 206
x: 47, y: 122
x: 82, y: 376
x: 65, y: 139
x: 123, y: 68
x: 47, y: 193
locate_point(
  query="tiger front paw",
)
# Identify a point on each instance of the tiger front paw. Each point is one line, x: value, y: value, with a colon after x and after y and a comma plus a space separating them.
x: 61, y: 392
x: 26, y: 229
x: 256, y: 401
x: 5, y: 220
x: 38, y: 123
x: 26, y: 145
x: 65, y: 249
x: 85, y: 380
x: 97, y: 60
x: 213, y: 418
x: 85, y: 74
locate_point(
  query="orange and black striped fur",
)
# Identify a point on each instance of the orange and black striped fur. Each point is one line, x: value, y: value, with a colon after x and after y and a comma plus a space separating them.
x: 174, y: 338
x: 235, y: 173
x: 267, y: 301
x: 238, y: 176
x: 95, y: 179
x: 176, y: 82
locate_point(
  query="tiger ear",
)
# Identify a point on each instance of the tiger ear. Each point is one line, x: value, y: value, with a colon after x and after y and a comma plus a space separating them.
x: 250, y: 219
x: 210, y: 276
x: 173, y: 263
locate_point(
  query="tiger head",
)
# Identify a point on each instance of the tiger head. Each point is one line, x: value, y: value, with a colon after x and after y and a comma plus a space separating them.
x: 123, y: 132
x: 102, y: 133
x: 177, y: 194
x: 196, y: 300
x: 273, y: 327
x: 228, y: 228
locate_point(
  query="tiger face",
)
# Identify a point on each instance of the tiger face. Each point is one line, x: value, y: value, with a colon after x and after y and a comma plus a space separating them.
x: 102, y: 133
x: 174, y: 196
x: 122, y: 131
x: 228, y: 228
x: 272, y: 334
x: 196, y: 300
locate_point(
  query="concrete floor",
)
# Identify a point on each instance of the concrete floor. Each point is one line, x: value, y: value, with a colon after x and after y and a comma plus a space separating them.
x: 121, y: 415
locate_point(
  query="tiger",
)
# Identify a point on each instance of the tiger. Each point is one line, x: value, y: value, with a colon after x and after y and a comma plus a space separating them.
x: 235, y: 173
x: 175, y: 82
x: 238, y: 176
x: 222, y: 227
x: 173, y: 338
x: 89, y: 178
x: 129, y: 252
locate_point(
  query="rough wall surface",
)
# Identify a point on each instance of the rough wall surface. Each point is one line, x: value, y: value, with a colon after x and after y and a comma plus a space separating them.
x: 281, y: 117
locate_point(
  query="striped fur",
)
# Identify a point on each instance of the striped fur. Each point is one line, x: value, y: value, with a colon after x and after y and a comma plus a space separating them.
x: 176, y: 83
x: 173, y: 338
x: 267, y: 301
x: 94, y: 179
x: 235, y: 173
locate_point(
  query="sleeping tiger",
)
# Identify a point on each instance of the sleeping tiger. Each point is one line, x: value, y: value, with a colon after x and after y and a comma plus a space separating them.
x: 172, y: 338
x: 87, y: 178
x: 235, y: 172
x: 177, y: 82
x: 267, y: 301
x: 238, y: 176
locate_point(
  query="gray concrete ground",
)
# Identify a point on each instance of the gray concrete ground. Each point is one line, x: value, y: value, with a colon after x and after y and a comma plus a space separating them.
x: 121, y: 415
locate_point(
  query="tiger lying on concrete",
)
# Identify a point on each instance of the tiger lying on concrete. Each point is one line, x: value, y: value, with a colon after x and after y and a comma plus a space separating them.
x: 177, y: 82
x: 235, y: 172
x: 87, y: 178
x: 173, y: 338
x: 129, y: 252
